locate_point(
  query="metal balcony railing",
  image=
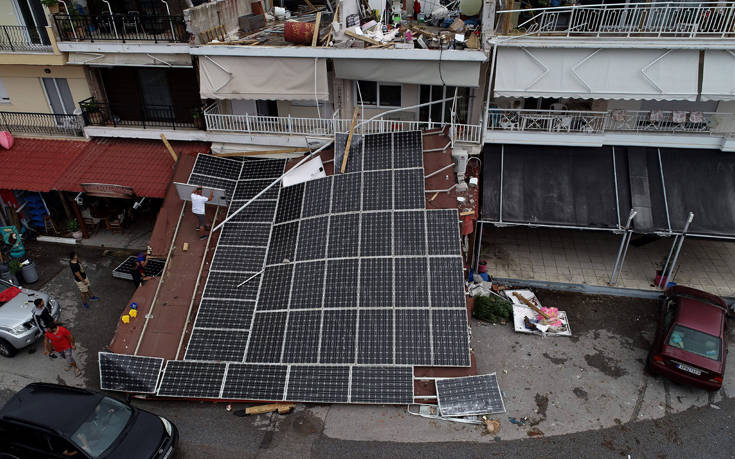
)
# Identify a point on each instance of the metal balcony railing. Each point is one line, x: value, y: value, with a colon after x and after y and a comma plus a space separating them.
x: 326, y: 127
x: 42, y: 124
x: 121, y: 27
x: 629, y: 121
x: 657, y: 20
x: 18, y: 39
x: 142, y: 116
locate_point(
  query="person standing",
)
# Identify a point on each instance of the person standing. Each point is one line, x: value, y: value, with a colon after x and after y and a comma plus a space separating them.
x: 42, y: 318
x: 62, y: 341
x: 80, y: 277
x: 139, y: 271
x: 199, y: 210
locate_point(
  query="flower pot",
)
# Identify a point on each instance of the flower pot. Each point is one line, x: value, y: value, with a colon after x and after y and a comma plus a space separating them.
x: 29, y: 273
x: 53, y: 9
x: 78, y: 235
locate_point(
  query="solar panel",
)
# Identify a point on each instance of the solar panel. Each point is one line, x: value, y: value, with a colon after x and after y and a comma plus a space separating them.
x: 217, y: 345
x: 377, y: 190
x: 449, y: 337
x: 346, y: 193
x: 124, y: 270
x: 266, y: 340
x: 216, y: 167
x: 256, y: 212
x: 236, y: 258
x: 409, y: 233
x: 340, y: 291
x: 262, y: 168
x: 375, y: 336
x: 442, y: 228
x: 312, y: 243
x: 378, y: 152
x: 407, y: 150
x: 343, y: 237
x: 376, y: 234
x: 338, y: 336
x: 411, y: 282
x: 376, y: 282
x: 317, y: 197
x: 250, y: 234
x: 447, y: 282
x: 289, y: 203
x: 310, y: 383
x: 248, y: 189
x: 409, y: 189
x: 283, y: 243
x: 382, y: 385
x: 129, y: 373
x: 191, y: 379
x: 308, y: 284
x: 225, y: 314
x: 413, y: 340
x: 255, y: 382
x: 224, y: 285
x: 469, y: 395
x: 213, y: 182
x: 302, y: 337
x: 276, y: 287
x: 354, y: 158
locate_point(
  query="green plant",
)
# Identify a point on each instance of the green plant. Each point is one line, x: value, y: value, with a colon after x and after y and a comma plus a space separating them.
x: 492, y: 309
x: 14, y: 266
x: 72, y: 225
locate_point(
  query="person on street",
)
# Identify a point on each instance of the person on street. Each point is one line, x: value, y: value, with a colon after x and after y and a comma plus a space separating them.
x: 199, y: 210
x: 80, y: 277
x: 42, y: 318
x: 62, y: 341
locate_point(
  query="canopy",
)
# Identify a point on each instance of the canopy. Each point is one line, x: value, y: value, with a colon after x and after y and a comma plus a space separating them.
x: 451, y: 73
x: 718, y: 76
x: 131, y: 59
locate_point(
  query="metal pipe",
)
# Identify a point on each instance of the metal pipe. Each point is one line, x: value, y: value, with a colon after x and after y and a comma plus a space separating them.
x: 112, y: 19
x: 663, y: 186
x: 400, y: 109
x: 449, y: 144
x: 71, y: 23
x: 249, y: 278
x: 479, y: 248
x: 623, y: 249
x: 442, y: 191
x: 170, y: 22
x: 668, y: 259
x: 615, y: 175
x: 502, y: 164
x: 489, y: 94
x: 439, y: 170
x: 672, y: 273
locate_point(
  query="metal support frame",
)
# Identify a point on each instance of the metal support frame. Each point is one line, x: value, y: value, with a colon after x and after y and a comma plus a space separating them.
x: 623, y: 249
x: 668, y: 272
x: 479, y: 245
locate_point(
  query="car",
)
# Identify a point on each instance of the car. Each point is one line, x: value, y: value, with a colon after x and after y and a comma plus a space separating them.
x: 690, y: 346
x: 17, y: 328
x: 51, y: 420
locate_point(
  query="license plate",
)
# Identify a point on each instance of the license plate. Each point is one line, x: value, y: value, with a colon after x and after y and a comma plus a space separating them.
x: 689, y: 369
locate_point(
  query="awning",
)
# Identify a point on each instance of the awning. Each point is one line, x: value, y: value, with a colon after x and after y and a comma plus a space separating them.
x: 656, y: 74
x: 36, y: 165
x: 131, y: 59
x: 451, y: 73
x: 225, y: 77
x: 718, y: 76
x: 143, y: 165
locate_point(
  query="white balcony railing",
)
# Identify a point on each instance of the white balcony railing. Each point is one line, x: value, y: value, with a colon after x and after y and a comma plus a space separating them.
x: 659, y: 19
x: 630, y: 121
x: 324, y: 127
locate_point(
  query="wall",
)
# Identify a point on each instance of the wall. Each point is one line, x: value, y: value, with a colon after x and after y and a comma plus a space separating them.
x: 23, y: 83
x: 210, y: 15
x: 7, y: 13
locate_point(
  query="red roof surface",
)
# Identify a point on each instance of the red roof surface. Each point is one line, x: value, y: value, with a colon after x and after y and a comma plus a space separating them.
x: 144, y: 165
x: 36, y: 164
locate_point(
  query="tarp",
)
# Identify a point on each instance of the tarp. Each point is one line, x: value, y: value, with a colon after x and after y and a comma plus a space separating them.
x: 451, y: 73
x: 232, y: 77
x: 718, y: 76
x: 656, y: 74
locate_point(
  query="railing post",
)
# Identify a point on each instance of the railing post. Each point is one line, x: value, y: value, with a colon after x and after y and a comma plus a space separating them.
x: 290, y: 126
x: 571, y: 21
x: 247, y: 123
x: 726, y: 25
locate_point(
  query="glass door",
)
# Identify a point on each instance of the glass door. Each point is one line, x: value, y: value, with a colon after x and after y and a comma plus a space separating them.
x: 59, y: 95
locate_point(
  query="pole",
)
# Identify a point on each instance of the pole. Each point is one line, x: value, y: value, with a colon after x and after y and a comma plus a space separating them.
x: 479, y: 248
x: 670, y: 277
x: 623, y: 250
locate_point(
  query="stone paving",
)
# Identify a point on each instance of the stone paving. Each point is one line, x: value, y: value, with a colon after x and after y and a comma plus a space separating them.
x: 588, y: 257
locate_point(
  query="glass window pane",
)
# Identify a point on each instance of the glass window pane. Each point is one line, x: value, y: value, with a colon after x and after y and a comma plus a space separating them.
x: 65, y: 94
x: 390, y: 95
x: 696, y: 342
x: 53, y: 95
x: 369, y: 92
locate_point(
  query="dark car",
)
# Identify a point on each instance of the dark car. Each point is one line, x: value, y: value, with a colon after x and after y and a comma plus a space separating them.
x: 691, y: 339
x: 50, y: 420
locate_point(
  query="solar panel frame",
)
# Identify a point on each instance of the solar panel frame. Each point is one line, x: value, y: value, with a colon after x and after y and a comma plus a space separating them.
x: 289, y: 203
x: 346, y: 193
x: 381, y: 384
x: 192, y: 379
x: 234, y: 314
x: 413, y: 337
x: 245, y: 234
x: 378, y: 152
x: 248, y: 189
x: 276, y: 288
x: 256, y: 212
x: 409, y: 189
x: 375, y: 336
x: 262, y: 169
x: 411, y: 281
x: 214, y: 182
x: 469, y: 395
x: 377, y: 190
x: 342, y: 277
x: 446, y: 282
x: 317, y: 197
x: 283, y: 242
x: 376, y: 283
x: 409, y: 233
x: 266, y: 337
x: 312, y: 241
x: 449, y: 334
x: 309, y: 280
x: 407, y: 149
x: 124, y: 270
x: 338, y: 336
x: 315, y: 383
x: 129, y: 373
x: 442, y: 229
x: 301, y: 344
x: 224, y: 285
x: 216, y: 345
x: 255, y: 382
x: 344, y: 233
x: 238, y: 258
x: 376, y: 234
x: 214, y: 166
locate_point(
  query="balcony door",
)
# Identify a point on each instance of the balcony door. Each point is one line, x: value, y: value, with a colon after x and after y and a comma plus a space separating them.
x: 154, y: 88
x: 59, y: 95
x: 30, y: 14
x: 441, y: 112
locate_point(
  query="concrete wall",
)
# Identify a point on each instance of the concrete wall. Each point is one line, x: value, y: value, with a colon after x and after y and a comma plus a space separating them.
x: 7, y: 13
x: 23, y: 84
x: 218, y: 13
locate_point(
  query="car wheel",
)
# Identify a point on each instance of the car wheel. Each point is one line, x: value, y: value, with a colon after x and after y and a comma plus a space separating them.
x: 7, y: 349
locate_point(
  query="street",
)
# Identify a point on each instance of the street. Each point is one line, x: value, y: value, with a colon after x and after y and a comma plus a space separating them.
x: 588, y: 395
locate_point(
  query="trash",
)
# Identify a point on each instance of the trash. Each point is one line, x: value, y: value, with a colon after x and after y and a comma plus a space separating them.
x: 492, y: 425
x: 432, y: 412
x: 530, y: 316
x: 518, y: 422
x: 505, y: 372
x: 535, y: 432
x: 712, y: 405
x: 228, y: 407
x: 457, y: 25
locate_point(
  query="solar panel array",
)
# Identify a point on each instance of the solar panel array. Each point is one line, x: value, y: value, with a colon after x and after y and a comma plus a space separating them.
x: 359, y: 283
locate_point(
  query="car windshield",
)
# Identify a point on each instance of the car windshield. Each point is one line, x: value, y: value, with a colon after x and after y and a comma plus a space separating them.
x: 696, y: 342
x: 103, y: 427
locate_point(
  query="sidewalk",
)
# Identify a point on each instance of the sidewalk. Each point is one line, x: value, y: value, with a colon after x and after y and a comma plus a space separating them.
x: 588, y: 257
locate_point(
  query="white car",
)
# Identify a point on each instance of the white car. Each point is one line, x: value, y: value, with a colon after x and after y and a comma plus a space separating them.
x: 17, y: 328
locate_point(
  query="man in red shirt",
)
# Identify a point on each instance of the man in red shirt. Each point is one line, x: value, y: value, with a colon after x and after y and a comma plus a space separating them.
x: 63, y: 342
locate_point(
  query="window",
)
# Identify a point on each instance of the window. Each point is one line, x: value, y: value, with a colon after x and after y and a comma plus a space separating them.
x: 696, y: 342
x: 59, y: 95
x: 103, y: 427
x: 441, y: 112
x: 378, y: 94
x: 4, y: 98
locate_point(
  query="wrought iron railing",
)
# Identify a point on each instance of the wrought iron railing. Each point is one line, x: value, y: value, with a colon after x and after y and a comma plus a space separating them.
x: 121, y: 27
x: 142, y: 116
x: 658, y: 19
x: 630, y: 121
x: 18, y: 39
x: 42, y: 124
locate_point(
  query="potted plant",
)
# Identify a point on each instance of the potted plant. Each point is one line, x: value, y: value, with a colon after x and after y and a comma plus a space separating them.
x: 196, y: 115
x: 52, y: 5
x: 72, y: 225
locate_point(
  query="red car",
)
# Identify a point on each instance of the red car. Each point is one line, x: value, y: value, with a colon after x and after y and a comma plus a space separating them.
x: 691, y: 338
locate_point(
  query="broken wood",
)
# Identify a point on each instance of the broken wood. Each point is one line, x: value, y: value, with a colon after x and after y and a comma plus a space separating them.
x: 169, y: 148
x: 262, y: 152
x: 352, y: 34
x: 466, y: 212
x: 531, y: 305
x: 282, y: 408
x: 434, y: 197
x: 315, y: 37
x: 313, y: 8
x: 349, y: 140
x: 185, y: 247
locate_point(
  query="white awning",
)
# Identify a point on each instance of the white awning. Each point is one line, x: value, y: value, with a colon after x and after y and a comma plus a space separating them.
x: 227, y: 77
x: 718, y: 77
x: 131, y: 59
x: 452, y: 73
x: 656, y: 74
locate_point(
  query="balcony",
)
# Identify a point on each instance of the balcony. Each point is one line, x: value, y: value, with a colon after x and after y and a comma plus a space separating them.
x: 168, y: 117
x: 653, y: 20
x: 322, y: 127
x: 44, y: 124
x: 125, y: 27
x: 22, y: 39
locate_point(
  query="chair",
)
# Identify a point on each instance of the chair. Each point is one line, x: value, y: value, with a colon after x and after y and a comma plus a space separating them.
x: 131, y: 21
x: 114, y: 225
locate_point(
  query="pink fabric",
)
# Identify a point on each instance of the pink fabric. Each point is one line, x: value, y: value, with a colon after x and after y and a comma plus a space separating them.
x: 6, y: 140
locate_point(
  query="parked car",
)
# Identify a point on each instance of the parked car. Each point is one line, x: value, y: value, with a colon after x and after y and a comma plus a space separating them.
x: 17, y: 328
x: 691, y: 338
x: 51, y: 420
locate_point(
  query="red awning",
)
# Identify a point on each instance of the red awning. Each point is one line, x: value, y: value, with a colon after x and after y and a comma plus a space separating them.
x: 143, y: 165
x: 36, y: 164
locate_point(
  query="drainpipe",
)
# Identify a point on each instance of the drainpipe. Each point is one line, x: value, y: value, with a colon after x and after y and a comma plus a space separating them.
x: 489, y: 92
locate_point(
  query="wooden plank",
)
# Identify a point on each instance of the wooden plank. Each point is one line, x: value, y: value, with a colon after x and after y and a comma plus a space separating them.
x: 313, y: 8
x: 349, y: 140
x: 260, y: 409
x: 315, y: 37
x: 169, y: 148
x: 262, y: 152
x: 531, y: 305
x: 352, y: 34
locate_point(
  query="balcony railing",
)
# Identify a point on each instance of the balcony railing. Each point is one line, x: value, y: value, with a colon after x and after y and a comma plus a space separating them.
x: 121, y: 27
x: 629, y: 121
x: 18, y: 39
x: 140, y: 116
x: 326, y: 127
x: 42, y: 124
x: 661, y: 19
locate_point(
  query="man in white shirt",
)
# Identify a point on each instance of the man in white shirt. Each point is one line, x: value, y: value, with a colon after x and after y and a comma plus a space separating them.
x: 198, y: 209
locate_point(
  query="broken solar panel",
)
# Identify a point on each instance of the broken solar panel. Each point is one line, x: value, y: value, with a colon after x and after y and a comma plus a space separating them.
x: 124, y: 270
x: 225, y: 314
x: 469, y: 395
x: 129, y: 373
x: 191, y: 379
x: 289, y: 203
x: 354, y: 157
x: 213, y: 182
x: 216, y: 167
x: 442, y: 228
x: 245, y: 234
x: 378, y: 153
x: 302, y: 337
x: 256, y: 212
x: 236, y: 258
x: 255, y: 382
x: 318, y: 384
x: 217, y: 345
x: 382, y: 384
x: 262, y: 169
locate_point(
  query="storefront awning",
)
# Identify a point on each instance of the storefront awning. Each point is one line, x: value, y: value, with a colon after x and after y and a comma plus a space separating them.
x: 656, y: 74
x: 36, y: 165
x: 450, y: 73
x: 131, y: 59
x: 718, y: 75
x: 228, y: 77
